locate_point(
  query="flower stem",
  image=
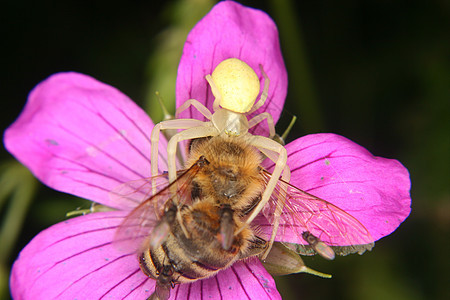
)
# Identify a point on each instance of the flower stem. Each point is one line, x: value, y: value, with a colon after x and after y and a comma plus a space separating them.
x: 301, y: 86
x: 18, y: 183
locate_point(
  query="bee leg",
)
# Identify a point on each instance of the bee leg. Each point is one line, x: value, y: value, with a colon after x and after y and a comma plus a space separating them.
x: 256, y: 247
x: 183, y: 228
x: 164, y: 283
x: 226, y: 226
x: 162, y: 229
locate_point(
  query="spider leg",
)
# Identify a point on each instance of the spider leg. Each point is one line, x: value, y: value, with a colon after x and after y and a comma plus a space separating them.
x: 286, y: 176
x: 205, y: 130
x: 188, y: 134
x: 199, y: 106
x: 215, y: 91
x: 154, y: 139
x: 264, y: 93
x: 261, y: 142
x: 164, y: 125
x: 261, y: 117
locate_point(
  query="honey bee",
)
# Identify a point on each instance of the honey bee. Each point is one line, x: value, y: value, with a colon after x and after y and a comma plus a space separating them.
x: 224, y: 206
x: 213, y: 197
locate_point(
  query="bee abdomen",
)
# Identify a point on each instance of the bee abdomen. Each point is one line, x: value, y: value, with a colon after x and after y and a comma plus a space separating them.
x: 186, y: 269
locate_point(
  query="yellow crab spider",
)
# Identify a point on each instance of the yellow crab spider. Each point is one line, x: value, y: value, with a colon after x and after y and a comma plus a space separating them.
x: 235, y: 87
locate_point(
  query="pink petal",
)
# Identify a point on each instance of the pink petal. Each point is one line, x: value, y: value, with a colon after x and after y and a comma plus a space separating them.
x: 374, y: 190
x: 244, y: 280
x: 76, y: 259
x: 304, y: 212
x: 231, y: 30
x: 81, y: 136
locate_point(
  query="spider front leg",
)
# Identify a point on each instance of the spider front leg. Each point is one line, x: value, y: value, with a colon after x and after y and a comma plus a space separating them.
x: 261, y: 142
x: 280, y: 201
x: 154, y: 140
x: 188, y: 134
x: 272, y: 156
x: 204, y: 130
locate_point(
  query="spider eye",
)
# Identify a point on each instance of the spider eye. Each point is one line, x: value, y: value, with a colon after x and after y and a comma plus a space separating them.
x: 237, y: 84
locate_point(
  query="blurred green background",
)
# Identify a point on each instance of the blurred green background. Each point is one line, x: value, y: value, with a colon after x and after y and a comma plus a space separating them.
x: 377, y: 72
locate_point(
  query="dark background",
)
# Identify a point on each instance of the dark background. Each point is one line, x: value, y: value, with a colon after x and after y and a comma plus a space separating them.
x: 377, y: 72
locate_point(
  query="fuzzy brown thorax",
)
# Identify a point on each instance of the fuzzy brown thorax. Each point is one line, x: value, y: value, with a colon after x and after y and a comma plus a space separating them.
x: 231, y: 174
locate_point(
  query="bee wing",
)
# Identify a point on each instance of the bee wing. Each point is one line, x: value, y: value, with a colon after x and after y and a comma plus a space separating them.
x: 130, y: 194
x: 303, y: 212
x: 136, y: 228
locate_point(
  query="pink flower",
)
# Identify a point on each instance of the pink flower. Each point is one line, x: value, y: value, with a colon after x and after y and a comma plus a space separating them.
x: 83, y: 137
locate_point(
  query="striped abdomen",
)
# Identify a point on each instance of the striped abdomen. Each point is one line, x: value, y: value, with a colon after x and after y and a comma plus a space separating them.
x: 201, y: 254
